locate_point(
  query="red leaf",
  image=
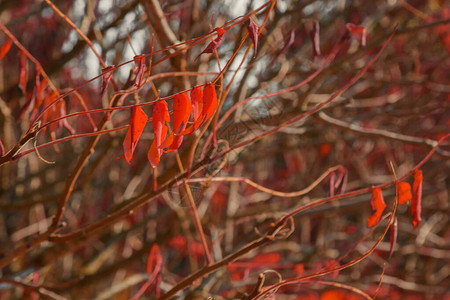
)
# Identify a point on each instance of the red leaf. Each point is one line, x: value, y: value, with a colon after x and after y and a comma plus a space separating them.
x: 214, y: 44
x: 253, y: 30
x: 416, y: 203
x: 197, y: 109
x: 404, y: 192
x: 315, y: 37
x: 107, y: 75
x: 154, y: 267
x: 378, y: 206
x: 2, y: 148
x: 392, y: 236
x: 209, y: 101
x: 140, y: 69
x: 138, y: 120
x: 159, y: 117
x: 5, y: 48
x: 182, y: 109
x: 23, y: 73
x: 357, y: 32
x: 154, y: 262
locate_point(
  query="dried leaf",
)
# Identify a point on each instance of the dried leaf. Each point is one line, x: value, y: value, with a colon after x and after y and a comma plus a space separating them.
x: 159, y: 118
x: 416, y: 203
x: 214, y: 44
x: 138, y: 120
x: 357, y: 32
x: 392, y: 236
x: 140, y: 69
x: 404, y: 192
x: 107, y: 75
x: 253, y: 30
x: 5, y: 48
x: 315, y: 37
x: 378, y: 206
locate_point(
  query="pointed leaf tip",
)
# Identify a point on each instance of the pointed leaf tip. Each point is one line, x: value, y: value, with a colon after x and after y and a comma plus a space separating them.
x: 253, y: 31
x: 138, y: 120
x: 212, y: 46
x: 5, y: 48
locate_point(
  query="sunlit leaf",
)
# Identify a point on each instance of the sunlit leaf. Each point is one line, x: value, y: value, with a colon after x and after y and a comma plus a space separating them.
x: 138, y: 120
x: 404, y: 192
x: 5, y: 48
x: 378, y: 206
x: 212, y: 46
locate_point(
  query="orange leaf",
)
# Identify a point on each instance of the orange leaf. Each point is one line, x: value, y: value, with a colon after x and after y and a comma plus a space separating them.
x: 5, y: 48
x: 182, y: 109
x: 138, y: 120
x: 197, y: 108
x: 159, y: 117
x: 416, y: 203
x: 378, y: 206
x: 404, y: 192
x: 209, y: 101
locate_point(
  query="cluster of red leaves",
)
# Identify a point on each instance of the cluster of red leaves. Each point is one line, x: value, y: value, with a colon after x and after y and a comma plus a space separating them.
x: 203, y: 106
x: 404, y: 196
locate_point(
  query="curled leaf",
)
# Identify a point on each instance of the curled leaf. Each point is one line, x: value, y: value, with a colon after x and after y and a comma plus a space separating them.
x: 253, y: 30
x: 416, y: 203
x: 138, y: 120
x: 357, y: 32
x: 140, y: 69
x: 5, y: 48
x: 107, y: 75
x: 378, y: 206
x: 392, y: 236
x: 404, y: 192
x: 214, y: 44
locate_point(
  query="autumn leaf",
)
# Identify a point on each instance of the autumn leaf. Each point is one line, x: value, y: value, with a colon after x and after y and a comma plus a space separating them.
x: 153, y: 270
x: 288, y: 43
x: 253, y: 30
x: 378, y: 206
x: 107, y: 75
x: 357, y: 32
x: 5, y: 48
x: 416, y: 203
x: 138, y: 120
x: 214, y: 44
x: 197, y: 109
x: 140, y: 69
x: 182, y: 109
x: 209, y: 101
x: 159, y: 118
x: 392, y: 236
x: 404, y: 192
